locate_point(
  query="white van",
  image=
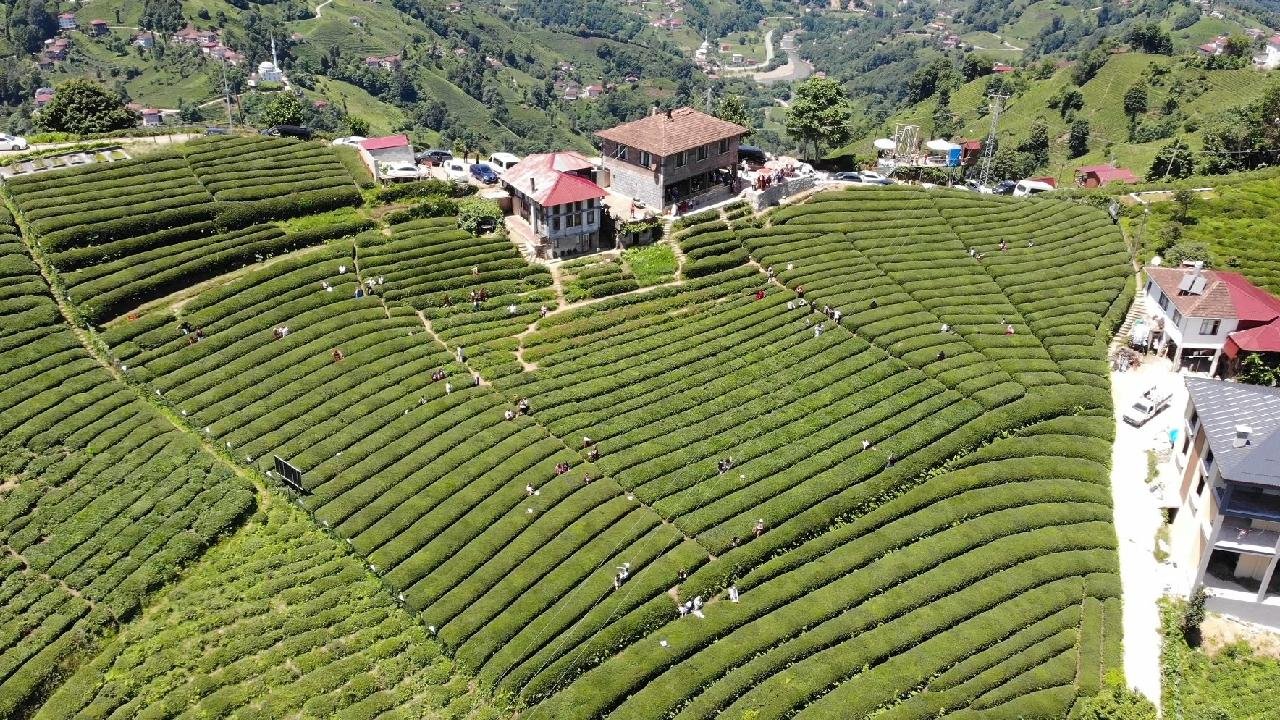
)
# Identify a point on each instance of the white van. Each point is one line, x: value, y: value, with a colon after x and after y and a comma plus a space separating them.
x: 502, y: 162
x: 1031, y: 187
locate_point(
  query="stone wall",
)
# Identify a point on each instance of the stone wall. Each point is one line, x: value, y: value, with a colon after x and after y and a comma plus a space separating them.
x: 774, y: 194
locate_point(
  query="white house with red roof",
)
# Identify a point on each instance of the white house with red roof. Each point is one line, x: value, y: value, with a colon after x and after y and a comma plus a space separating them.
x: 1269, y: 59
x: 1092, y: 176
x: 379, y: 153
x: 1201, y: 316
x: 556, y: 196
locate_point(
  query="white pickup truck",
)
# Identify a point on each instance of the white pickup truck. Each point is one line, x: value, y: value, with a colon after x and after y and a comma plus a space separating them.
x: 1147, y: 407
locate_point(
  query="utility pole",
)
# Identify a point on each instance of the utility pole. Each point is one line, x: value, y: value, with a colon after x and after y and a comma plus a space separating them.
x: 989, y: 147
x: 226, y: 94
x: 708, y: 99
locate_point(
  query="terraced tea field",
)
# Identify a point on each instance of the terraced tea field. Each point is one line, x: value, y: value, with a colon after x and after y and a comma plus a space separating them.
x: 718, y: 500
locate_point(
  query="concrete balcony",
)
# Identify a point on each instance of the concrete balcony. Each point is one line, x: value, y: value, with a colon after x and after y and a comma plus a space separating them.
x: 1239, y: 535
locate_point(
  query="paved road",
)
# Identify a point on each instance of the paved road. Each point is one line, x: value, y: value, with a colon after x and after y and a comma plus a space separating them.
x: 1138, y: 517
x: 795, y: 69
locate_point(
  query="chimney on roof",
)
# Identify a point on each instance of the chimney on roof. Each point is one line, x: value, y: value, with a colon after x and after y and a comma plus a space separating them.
x: 668, y: 113
x: 1242, y: 436
x: 533, y: 184
x: 653, y: 111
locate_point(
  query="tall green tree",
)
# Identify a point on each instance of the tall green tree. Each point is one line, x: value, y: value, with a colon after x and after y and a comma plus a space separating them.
x: 733, y: 109
x: 820, y: 114
x: 1037, y: 143
x: 30, y: 22
x: 284, y: 108
x: 1174, y: 161
x: 1135, y: 101
x: 1078, y: 138
x: 162, y: 15
x: 945, y: 122
x: 83, y: 108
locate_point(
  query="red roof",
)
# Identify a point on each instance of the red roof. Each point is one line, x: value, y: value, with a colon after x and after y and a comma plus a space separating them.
x: 383, y: 143
x: 1252, y: 303
x: 1107, y: 174
x: 1264, y: 338
x: 549, y: 179
x: 571, y: 188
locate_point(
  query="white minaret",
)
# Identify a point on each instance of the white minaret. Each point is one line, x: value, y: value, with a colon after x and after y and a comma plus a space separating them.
x: 274, y: 60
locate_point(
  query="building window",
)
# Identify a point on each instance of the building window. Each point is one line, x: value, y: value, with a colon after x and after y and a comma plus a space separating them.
x: 555, y: 223
x: 1209, y: 327
x: 620, y: 152
x: 724, y: 146
x: 571, y: 220
x: 680, y: 159
x: 1150, y: 285
x: 645, y: 158
x: 702, y: 152
x: 1177, y: 318
x: 1186, y: 444
x: 1200, y: 486
x: 1164, y: 301
x: 591, y: 218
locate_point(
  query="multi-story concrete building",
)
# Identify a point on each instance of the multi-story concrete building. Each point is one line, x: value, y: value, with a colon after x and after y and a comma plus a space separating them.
x: 1197, y: 312
x: 1226, y: 528
x: 673, y: 157
x: 555, y: 196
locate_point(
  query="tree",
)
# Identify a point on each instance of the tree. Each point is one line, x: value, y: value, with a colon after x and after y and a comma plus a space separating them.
x: 83, y: 108
x: 30, y: 22
x: 284, y: 108
x: 945, y: 123
x: 1187, y: 251
x: 1009, y: 164
x: 1259, y: 369
x: 163, y: 15
x: 1135, y: 101
x: 1238, y: 46
x: 1150, y: 37
x: 1182, y: 198
x: 1037, y: 143
x: 1174, y: 161
x: 1078, y: 139
x: 819, y: 114
x: 1067, y: 101
x: 474, y: 212
x: 1193, y: 616
x: 733, y: 109
x: 188, y: 113
x: 357, y: 126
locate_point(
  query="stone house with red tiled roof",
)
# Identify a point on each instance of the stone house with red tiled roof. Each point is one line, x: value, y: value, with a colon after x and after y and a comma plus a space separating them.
x: 669, y: 158
x: 1198, y: 313
x: 554, y: 193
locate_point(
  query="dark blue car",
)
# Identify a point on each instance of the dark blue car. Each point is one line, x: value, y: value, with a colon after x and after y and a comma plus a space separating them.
x: 484, y: 173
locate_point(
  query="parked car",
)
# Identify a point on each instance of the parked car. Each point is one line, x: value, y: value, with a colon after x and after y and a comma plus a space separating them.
x: 752, y: 154
x: 349, y: 141
x: 1147, y: 407
x: 502, y: 162
x: 1031, y: 187
x: 13, y: 142
x: 214, y: 130
x: 293, y: 131
x: 434, y: 156
x: 484, y: 173
x: 1004, y: 187
x: 399, y: 171
x: 863, y: 178
x: 456, y: 170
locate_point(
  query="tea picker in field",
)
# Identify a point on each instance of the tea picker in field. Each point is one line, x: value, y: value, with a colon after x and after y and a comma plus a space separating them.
x: 523, y: 406
x: 337, y: 355
x: 758, y: 530
x: 594, y: 454
x: 509, y: 414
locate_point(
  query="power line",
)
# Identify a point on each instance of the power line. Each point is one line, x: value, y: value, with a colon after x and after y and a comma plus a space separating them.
x: 989, y: 147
